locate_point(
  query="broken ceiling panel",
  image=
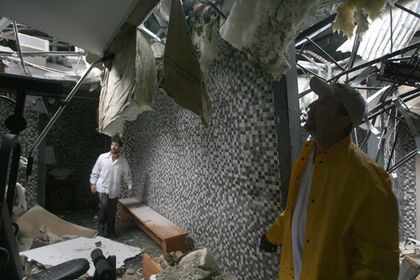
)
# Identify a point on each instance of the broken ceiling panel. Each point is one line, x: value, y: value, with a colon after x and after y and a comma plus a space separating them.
x: 129, y: 86
x: 81, y: 248
x: 376, y: 41
x: 182, y: 74
x: 88, y: 24
x: 265, y: 29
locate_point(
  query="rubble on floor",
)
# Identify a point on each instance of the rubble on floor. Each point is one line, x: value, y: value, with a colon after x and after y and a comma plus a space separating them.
x: 38, y: 227
x: 81, y: 247
x: 409, y: 260
x: 196, y: 265
x: 31, y: 267
x: 40, y: 230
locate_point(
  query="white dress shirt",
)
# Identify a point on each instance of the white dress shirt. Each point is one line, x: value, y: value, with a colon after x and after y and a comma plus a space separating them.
x: 299, y: 217
x: 108, y: 174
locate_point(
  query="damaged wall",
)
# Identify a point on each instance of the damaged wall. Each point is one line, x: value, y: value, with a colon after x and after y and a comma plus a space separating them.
x: 221, y: 183
x: 77, y: 145
x: 28, y: 137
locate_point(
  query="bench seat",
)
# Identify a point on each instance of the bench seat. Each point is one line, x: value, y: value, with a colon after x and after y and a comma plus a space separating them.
x: 168, y: 235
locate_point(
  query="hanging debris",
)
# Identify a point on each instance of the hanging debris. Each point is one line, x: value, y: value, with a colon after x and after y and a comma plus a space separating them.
x: 182, y: 74
x: 355, y: 13
x: 129, y: 84
x: 265, y: 29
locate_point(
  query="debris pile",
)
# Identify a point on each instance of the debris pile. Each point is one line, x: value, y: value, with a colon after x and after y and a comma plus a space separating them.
x: 196, y: 265
x: 38, y: 227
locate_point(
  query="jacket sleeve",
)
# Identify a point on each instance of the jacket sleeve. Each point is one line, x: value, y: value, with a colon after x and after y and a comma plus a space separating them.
x: 275, y: 232
x: 375, y: 233
x: 96, y: 170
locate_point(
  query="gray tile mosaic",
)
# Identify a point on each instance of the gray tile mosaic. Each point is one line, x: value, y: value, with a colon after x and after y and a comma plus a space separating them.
x: 405, y: 185
x: 221, y: 183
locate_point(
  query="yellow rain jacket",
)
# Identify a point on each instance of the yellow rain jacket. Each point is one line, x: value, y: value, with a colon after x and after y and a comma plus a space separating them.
x: 352, y: 220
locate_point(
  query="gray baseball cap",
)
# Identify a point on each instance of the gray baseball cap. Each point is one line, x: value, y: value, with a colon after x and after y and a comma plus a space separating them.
x: 354, y: 103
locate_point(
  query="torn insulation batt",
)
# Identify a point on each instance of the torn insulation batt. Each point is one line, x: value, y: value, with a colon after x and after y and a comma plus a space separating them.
x: 265, y: 29
x: 355, y: 13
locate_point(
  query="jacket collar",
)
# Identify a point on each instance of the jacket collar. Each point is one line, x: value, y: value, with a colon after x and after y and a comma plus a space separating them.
x: 334, y: 150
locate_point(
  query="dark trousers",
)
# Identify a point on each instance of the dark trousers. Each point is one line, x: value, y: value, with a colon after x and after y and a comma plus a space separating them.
x: 107, y: 213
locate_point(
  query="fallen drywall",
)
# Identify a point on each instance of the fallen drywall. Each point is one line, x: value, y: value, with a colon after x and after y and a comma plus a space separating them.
x: 81, y: 248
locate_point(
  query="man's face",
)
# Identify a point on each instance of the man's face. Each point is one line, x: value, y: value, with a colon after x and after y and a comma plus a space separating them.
x: 115, y: 148
x: 323, y: 119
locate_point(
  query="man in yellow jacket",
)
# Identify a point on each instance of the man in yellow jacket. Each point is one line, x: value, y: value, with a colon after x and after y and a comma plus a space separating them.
x: 341, y: 218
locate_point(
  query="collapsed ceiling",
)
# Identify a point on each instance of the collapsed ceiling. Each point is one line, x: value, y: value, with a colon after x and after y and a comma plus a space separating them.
x: 382, y: 50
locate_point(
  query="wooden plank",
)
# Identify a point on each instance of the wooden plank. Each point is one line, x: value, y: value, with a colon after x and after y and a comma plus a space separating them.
x: 150, y: 233
x: 124, y: 214
x: 165, y: 233
x: 174, y: 244
x: 150, y: 266
x: 154, y: 221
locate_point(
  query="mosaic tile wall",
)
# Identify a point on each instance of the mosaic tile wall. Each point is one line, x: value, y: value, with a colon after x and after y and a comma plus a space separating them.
x: 405, y: 184
x: 221, y: 183
x: 77, y: 145
x: 28, y: 137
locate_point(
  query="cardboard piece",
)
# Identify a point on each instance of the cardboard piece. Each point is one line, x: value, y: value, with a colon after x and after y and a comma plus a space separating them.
x: 37, y: 217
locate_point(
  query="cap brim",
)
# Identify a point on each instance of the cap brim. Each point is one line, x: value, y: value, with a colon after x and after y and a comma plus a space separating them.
x: 321, y: 88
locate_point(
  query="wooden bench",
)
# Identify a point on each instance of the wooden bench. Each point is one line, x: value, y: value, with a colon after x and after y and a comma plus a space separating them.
x: 165, y: 233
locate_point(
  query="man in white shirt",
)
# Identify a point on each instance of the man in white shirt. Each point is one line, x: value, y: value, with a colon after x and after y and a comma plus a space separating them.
x: 110, y: 171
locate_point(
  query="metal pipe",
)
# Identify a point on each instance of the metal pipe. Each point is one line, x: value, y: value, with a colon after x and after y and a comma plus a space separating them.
x: 53, y: 53
x: 325, y: 53
x: 413, y: 46
x: 150, y: 33
x: 8, y: 99
x: 62, y: 107
x: 393, y: 147
x: 368, y: 88
x: 406, y: 10
x: 365, y: 140
x: 406, y: 158
x: 298, y: 44
x: 311, y: 64
x: 314, y: 30
x: 18, y: 47
x: 356, y: 138
x: 300, y: 53
x: 391, y: 29
x: 385, y: 105
x: 406, y: 49
x: 394, y: 117
x: 354, y: 50
x: 307, y: 70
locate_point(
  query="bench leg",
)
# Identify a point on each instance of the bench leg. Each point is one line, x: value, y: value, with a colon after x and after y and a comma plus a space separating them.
x: 124, y: 214
x: 174, y: 244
